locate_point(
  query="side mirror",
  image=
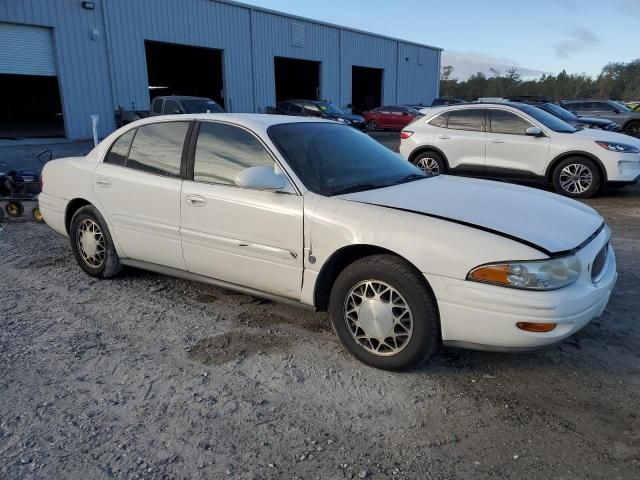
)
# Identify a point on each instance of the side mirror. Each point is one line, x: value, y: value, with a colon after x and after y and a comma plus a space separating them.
x: 260, y: 178
x: 534, y: 132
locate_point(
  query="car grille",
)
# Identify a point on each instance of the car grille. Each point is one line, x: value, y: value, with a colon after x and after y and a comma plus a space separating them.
x: 599, y: 262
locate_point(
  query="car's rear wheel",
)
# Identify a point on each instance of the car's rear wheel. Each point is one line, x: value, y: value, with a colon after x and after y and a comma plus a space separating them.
x: 577, y: 177
x: 14, y: 209
x: 430, y: 162
x: 372, y: 126
x: 92, y: 244
x: 384, y: 313
x: 632, y: 129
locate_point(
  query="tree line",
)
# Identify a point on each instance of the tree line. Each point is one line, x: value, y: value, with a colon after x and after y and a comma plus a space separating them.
x: 616, y: 81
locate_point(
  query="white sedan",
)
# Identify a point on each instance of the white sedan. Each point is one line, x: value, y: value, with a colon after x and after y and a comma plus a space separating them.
x: 316, y: 213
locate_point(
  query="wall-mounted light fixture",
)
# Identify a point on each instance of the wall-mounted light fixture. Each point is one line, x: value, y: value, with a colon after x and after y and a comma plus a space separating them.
x: 89, y: 5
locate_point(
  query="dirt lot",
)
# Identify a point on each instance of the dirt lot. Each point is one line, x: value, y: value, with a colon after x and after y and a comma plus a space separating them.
x: 146, y: 376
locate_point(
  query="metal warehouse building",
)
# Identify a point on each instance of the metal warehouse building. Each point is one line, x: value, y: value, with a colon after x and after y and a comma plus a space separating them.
x: 63, y: 60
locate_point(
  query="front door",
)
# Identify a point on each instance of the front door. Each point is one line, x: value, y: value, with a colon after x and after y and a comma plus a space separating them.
x: 510, y: 151
x: 138, y: 186
x: 242, y: 236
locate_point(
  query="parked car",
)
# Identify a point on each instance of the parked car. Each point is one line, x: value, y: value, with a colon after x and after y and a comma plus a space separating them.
x: 417, y: 106
x: 440, y: 102
x: 319, y: 109
x: 627, y: 119
x: 316, y: 213
x: 572, y: 118
x: 521, y: 142
x: 390, y: 117
x: 179, y: 105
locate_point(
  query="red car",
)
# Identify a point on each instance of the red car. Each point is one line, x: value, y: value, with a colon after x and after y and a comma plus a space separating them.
x: 390, y: 117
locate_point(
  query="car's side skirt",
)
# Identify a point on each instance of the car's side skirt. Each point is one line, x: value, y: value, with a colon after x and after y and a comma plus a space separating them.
x: 174, y: 272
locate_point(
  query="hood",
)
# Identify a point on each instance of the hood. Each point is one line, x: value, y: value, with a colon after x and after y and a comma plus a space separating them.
x: 608, y: 136
x: 594, y: 120
x: 546, y: 221
x: 348, y: 116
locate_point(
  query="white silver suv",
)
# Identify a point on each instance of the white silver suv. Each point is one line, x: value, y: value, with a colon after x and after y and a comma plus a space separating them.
x: 515, y: 141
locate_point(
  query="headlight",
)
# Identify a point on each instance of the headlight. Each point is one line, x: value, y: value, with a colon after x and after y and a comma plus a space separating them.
x: 536, y: 275
x: 342, y: 120
x: 618, y: 147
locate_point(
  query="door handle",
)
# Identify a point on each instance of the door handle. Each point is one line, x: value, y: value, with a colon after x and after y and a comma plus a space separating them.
x: 496, y: 140
x: 103, y: 182
x: 444, y: 137
x: 196, y: 200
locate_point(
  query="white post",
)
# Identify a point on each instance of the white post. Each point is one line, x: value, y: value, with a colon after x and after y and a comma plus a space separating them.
x: 94, y: 122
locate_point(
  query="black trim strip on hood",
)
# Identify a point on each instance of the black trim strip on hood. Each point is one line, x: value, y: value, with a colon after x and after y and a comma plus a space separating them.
x: 497, y: 232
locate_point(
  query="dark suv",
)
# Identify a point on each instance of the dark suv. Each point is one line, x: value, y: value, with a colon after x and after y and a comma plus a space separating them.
x: 570, y: 117
x: 320, y: 109
x: 178, y: 105
x: 627, y: 119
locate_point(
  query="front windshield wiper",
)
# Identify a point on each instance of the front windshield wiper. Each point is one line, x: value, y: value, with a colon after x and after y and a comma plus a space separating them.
x: 412, y: 177
x: 355, y: 188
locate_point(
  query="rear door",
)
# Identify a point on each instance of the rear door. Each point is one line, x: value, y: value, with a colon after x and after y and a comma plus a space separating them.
x: 607, y: 111
x: 242, y: 236
x: 461, y: 137
x: 138, y: 186
x: 510, y: 151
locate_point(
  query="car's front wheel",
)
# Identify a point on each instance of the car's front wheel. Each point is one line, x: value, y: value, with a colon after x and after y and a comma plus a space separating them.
x: 372, y: 126
x: 92, y: 244
x: 384, y: 313
x: 577, y: 177
x: 430, y: 162
x: 632, y: 129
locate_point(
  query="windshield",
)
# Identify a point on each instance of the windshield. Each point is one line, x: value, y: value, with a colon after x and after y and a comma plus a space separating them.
x: 548, y: 120
x: 334, y: 159
x: 201, y: 106
x: 563, y: 113
x: 329, y: 109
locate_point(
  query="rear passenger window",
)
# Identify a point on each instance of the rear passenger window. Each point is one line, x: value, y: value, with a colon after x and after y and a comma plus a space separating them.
x: 120, y: 149
x: 156, y: 105
x: 439, y: 121
x: 465, y: 120
x: 508, y: 123
x: 223, y: 151
x: 157, y: 148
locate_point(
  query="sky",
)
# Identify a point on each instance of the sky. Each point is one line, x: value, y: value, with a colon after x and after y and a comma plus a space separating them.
x: 537, y: 36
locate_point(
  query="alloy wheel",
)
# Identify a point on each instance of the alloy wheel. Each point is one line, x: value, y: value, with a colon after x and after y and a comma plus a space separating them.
x: 576, y: 178
x: 372, y: 126
x: 378, y: 317
x: 429, y: 165
x: 91, y: 243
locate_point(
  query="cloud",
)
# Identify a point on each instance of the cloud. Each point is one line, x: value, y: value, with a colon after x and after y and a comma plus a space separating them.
x: 466, y: 64
x: 576, y: 40
x: 631, y: 7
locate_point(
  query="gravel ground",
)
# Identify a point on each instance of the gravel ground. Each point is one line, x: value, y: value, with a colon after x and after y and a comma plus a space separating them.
x: 145, y: 376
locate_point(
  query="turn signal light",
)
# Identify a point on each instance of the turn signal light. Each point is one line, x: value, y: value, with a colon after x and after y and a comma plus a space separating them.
x: 405, y: 135
x: 536, y: 327
x: 491, y: 274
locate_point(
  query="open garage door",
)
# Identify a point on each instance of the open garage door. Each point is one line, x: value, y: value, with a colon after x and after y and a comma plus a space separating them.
x: 30, y: 103
x: 184, y: 70
x: 366, y: 88
x: 296, y: 79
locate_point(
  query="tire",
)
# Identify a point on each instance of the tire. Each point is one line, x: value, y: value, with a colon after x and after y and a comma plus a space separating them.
x: 372, y: 126
x: 632, y: 129
x: 430, y: 162
x: 97, y: 255
x: 577, y: 177
x: 1, y: 215
x: 36, y: 214
x: 14, y: 209
x: 416, y: 324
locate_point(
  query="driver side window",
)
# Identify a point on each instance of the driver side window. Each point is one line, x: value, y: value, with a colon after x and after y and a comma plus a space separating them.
x: 222, y: 151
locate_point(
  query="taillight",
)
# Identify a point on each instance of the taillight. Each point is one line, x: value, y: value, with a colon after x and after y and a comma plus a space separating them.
x: 404, y: 135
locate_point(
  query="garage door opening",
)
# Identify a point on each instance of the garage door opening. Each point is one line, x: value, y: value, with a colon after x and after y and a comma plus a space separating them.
x: 30, y: 107
x: 296, y: 79
x: 184, y: 70
x: 366, y: 88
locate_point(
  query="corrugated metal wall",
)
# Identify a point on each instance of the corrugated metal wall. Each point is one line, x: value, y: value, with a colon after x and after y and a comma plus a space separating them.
x: 98, y: 74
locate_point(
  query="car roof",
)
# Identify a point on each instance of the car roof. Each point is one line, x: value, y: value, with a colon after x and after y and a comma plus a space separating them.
x: 183, y: 97
x: 464, y: 106
x: 256, y: 121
